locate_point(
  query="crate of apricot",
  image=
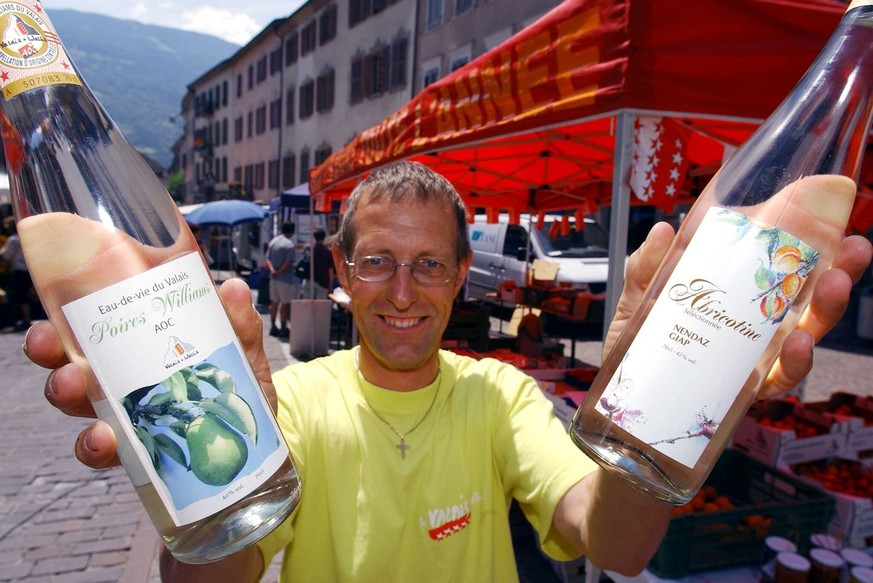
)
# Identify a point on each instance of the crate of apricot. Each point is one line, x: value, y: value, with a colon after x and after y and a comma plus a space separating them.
x: 742, y: 502
x: 782, y: 432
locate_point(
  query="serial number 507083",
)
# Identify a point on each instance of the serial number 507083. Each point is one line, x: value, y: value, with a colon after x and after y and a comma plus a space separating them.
x: 41, y: 80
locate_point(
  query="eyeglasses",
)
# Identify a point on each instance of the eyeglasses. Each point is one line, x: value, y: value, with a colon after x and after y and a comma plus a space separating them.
x: 426, y: 271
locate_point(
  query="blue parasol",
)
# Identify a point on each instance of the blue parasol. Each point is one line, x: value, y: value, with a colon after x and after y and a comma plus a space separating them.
x: 226, y: 213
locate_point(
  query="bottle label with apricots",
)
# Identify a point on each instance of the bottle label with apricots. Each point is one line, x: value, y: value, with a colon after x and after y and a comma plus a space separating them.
x: 31, y: 54
x: 705, y: 333
x: 177, y: 380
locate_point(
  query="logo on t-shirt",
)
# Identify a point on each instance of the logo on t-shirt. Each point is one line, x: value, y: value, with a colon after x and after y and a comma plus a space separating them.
x: 449, y: 520
x: 449, y: 528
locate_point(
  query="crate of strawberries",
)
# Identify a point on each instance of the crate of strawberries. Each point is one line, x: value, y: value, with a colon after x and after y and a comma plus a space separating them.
x: 850, y: 483
x: 857, y: 412
x: 782, y: 432
x: 742, y: 502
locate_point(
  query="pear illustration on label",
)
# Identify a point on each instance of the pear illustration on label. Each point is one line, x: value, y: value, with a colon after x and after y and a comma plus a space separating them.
x: 176, y: 422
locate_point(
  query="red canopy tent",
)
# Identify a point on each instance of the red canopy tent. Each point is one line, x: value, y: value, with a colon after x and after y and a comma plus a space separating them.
x: 580, y: 107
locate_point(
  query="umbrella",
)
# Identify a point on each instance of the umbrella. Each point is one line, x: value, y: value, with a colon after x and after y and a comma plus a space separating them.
x: 226, y: 213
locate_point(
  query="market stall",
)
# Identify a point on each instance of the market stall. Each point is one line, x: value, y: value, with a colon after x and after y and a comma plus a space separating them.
x: 569, y: 113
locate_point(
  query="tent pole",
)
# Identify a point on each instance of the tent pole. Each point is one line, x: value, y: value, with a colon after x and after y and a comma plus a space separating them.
x: 619, y: 215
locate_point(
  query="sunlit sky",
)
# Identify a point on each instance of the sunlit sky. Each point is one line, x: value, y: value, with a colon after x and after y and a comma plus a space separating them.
x: 232, y: 20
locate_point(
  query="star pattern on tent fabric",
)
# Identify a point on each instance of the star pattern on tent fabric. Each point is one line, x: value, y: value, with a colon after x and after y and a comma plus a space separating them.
x: 659, y: 161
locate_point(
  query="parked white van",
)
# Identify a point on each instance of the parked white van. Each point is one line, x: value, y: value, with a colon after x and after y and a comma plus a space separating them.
x: 500, y: 252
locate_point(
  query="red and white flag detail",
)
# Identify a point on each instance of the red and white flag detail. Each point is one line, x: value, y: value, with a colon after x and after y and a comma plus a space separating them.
x: 659, y: 161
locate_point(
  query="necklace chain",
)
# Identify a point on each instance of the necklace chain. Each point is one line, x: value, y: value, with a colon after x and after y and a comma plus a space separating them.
x: 402, y: 446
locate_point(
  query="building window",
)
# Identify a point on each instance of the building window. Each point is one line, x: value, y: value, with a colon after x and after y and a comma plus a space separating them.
x: 291, y: 49
x: 379, y: 6
x: 250, y: 129
x: 238, y: 129
x: 307, y: 38
x: 259, y: 176
x: 288, y: 163
x: 224, y: 131
x: 262, y: 69
x: 397, y: 77
x: 261, y: 120
x: 273, y: 174
x: 251, y: 77
x: 224, y: 169
x: 434, y: 14
x: 224, y: 94
x: 327, y: 25
x: 357, y: 81
x: 432, y: 75
x: 275, y: 113
x: 459, y: 62
x: 200, y: 139
x: 382, y: 69
x: 376, y: 71
x: 239, y: 85
x: 249, y: 180
x: 462, y: 6
x: 324, y: 91
x: 359, y: 10
x: 276, y: 61
x: 307, y: 98
x: 289, y: 106
x: 322, y: 153
x: 237, y: 175
x: 304, y: 165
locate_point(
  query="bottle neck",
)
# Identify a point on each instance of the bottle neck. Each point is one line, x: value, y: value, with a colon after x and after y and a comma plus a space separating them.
x: 820, y: 128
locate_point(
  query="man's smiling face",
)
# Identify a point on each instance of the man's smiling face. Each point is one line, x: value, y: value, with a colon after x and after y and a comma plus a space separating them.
x: 400, y: 321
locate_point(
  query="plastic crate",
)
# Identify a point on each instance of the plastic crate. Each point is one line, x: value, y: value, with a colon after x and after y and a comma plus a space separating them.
x: 722, y: 539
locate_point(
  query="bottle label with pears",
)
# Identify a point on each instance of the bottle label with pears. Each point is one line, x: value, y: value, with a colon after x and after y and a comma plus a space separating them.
x: 193, y: 403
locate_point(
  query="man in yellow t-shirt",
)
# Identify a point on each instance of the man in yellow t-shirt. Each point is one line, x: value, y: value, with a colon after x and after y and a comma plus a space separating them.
x: 489, y: 436
x: 408, y: 455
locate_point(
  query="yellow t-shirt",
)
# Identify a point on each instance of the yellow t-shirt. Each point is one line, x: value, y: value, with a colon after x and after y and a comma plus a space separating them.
x: 439, y: 514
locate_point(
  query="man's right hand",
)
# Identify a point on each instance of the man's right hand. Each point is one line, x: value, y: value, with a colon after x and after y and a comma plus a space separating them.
x: 65, y: 387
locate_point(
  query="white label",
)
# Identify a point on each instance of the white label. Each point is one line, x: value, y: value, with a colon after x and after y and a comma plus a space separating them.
x: 176, y: 377
x: 706, y: 331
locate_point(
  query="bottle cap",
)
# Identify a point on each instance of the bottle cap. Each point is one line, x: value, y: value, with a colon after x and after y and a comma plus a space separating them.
x: 861, y: 575
x: 792, y: 561
x: 826, y: 558
x: 778, y: 544
x: 857, y: 558
x: 824, y: 541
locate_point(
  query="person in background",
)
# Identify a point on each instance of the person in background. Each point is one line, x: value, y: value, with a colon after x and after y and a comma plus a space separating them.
x: 410, y: 455
x: 20, y: 283
x: 281, y: 255
x: 322, y: 265
x: 204, y: 248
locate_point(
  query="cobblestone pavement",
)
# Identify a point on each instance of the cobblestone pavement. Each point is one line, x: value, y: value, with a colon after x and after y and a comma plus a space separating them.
x: 63, y: 522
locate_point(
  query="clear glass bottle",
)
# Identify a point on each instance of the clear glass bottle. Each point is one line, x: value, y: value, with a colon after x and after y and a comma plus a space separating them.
x: 735, y: 280
x: 121, y: 277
